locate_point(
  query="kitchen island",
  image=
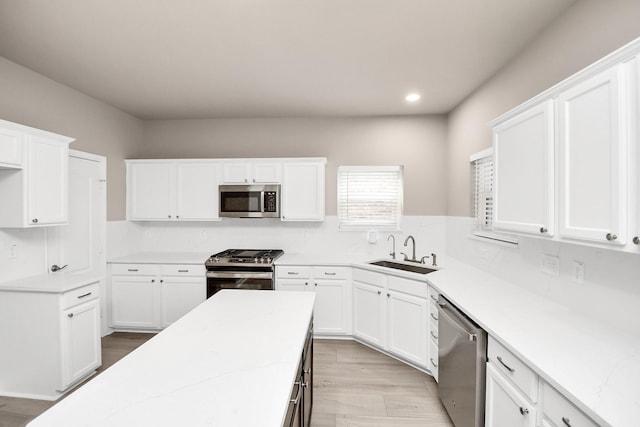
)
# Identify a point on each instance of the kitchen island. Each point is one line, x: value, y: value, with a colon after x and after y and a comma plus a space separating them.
x: 232, y: 361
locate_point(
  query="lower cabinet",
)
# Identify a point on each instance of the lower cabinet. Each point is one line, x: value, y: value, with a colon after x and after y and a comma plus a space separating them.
x: 505, y: 405
x: 50, y: 341
x: 301, y: 400
x: 330, y: 283
x: 433, y: 332
x: 369, y: 313
x: 152, y: 296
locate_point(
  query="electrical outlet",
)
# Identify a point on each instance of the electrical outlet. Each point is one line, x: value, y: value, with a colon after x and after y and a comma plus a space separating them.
x: 551, y: 265
x: 577, y: 272
x: 12, y: 251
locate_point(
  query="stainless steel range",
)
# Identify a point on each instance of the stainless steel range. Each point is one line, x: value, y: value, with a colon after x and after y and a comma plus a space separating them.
x: 241, y: 269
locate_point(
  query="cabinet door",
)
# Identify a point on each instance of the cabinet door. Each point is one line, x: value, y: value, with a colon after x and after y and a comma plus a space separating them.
x: 10, y: 148
x: 524, y: 169
x: 302, y: 191
x: 81, y: 347
x: 407, y: 327
x: 47, y: 181
x: 236, y: 173
x: 301, y: 284
x: 134, y: 303
x: 505, y: 406
x: 267, y: 172
x: 197, y: 191
x: 368, y: 313
x: 592, y: 156
x: 150, y: 191
x: 329, y: 313
x: 180, y: 295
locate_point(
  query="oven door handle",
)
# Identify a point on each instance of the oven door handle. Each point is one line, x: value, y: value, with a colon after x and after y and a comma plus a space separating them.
x: 239, y: 275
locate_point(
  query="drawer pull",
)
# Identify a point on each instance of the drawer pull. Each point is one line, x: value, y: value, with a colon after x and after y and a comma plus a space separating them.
x: 84, y: 295
x: 611, y: 237
x: 433, y: 316
x: 433, y: 363
x: 434, y: 298
x: 524, y: 411
x: 70, y: 315
x: 543, y: 230
x: 329, y: 274
x: 509, y: 368
x: 435, y: 337
x: 293, y: 273
x: 132, y: 269
x: 183, y: 271
x: 566, y: 421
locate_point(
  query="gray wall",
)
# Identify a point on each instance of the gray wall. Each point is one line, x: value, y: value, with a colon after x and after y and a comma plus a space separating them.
x: 589, y: 30
x: 417, y: 142
x: 31, y: 99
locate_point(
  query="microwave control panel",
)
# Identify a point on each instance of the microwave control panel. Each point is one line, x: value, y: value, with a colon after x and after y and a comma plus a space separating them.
x: 270, y: 201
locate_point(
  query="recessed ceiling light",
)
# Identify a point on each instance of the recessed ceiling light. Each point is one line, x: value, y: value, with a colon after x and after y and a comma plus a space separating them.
x: 412, y: 97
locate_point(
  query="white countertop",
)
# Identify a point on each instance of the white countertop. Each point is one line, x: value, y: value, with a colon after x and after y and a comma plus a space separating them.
x: 51, y: 283
x: 230, y: 362
x: 162, y: 258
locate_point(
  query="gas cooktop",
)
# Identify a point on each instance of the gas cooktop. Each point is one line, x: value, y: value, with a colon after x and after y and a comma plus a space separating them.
x: 244, y: 257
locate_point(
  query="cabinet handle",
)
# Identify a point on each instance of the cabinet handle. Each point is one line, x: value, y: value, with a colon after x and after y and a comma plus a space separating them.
x: 510, y: 369
x: 153, y: 280
x: 524, y: 411
x: 183, y: 271
x: 306, y: 283
x: 433, y: 316
x: 379, y: 292
x: 636, y: 240
x: 295, y: 401
x: 34, y: 220
x: 161, y: 280
x: 315, y: 284
x: 433, y: 298
x: 329, y: 274
x: 388, y: 295
x: 566, y: 421
x: 543, y: 230
x: 293, y: 273
x: 435, y: 337
x: 70, y: 315
x: 433, y: 363
x: 177, y: 216
x: 169, y: 216
x: 132, y: 269
x: 84, y: 295
x: 610, y: 237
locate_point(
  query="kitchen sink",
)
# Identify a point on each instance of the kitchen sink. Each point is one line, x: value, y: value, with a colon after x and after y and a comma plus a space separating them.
x: 405, y: 267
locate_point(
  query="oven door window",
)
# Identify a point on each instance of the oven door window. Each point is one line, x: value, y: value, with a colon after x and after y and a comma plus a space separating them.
x: 217, y: 284
x: 241, y: 201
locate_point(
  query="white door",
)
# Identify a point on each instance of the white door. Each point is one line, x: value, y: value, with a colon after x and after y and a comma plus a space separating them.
x: 197, y: 191
x: 80, y: 244
x: 302, y: 191
x: 407, y: 327
x: 505, y: 406
x: 150, y: 191
x: 329, y: 314
x: 236, y: 173
x: 134, y: 302
x: 266, y: 173
x: 178, y: 296
x: 368, y: 313
x: 11, y: 148
x: 81, y: 345
x: 592, y: 158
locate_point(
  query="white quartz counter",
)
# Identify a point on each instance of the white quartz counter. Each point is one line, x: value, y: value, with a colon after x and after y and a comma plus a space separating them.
x: 229, y: 362
x: 53, y: 283
x: 162, y: 258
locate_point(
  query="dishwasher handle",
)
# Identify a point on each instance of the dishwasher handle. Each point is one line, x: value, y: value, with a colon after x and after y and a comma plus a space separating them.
x: 451, y: 318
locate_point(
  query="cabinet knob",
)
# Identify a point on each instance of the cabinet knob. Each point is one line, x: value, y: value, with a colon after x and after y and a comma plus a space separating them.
x: 70, y: 315
x: 610, y: 237
x: 169, y: 216
x: 177, y: 216
x: 636, y: 240
x: 306, y: 283
x: 34, y: 220
x: 388, y: 295
x: 543, y: 230
x: 524, y: 411
x: 161, y: 280
x: 379, y: 292
x: 315, y: 284
x: 153, y: 280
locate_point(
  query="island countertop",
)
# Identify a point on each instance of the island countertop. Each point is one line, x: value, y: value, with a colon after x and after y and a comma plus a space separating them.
x: 231, y: 361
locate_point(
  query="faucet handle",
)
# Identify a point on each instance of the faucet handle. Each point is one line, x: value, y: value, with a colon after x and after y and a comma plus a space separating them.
x: 423, y: 258
x: 406, y: 258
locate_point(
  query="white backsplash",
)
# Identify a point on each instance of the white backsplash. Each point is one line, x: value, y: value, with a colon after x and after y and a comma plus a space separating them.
x: 611, y: 287
x: 29, y: 248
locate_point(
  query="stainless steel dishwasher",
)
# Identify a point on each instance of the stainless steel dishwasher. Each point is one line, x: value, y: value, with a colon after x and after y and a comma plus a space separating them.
x: 462, y: 357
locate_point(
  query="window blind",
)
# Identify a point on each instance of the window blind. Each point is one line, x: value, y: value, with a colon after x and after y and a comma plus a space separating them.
x: 370, y: 196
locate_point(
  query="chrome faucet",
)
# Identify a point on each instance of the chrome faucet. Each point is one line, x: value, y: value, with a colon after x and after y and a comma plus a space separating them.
x: 413, y: 254
x: 393, y: 248
x: 433, y: 260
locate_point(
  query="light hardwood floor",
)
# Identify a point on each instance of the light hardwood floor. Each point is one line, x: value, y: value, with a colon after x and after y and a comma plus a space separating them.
x: 353, y: 386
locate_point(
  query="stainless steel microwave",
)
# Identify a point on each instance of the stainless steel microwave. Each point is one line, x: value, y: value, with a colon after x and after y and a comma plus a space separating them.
x: 250, y: 201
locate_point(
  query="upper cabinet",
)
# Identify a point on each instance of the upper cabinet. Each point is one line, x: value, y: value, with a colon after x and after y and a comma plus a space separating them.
x: 166, y: 190
x: 302, y: 196
x: 585, y: 132
x: 523, y: 153
x: 251, y: 172
x: 33, y: 176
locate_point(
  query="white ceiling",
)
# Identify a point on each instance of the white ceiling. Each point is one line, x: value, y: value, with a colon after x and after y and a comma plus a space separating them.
x: 163, y: 59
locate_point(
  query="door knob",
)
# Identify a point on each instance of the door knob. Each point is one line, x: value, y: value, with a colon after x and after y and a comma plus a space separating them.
x: 55, y: 267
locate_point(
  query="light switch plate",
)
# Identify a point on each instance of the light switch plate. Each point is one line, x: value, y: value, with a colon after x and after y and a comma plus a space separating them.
x: 551, y: 265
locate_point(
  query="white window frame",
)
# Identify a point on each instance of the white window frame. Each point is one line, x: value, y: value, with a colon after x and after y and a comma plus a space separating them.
x: 482, y: 170
x: 391, y: 222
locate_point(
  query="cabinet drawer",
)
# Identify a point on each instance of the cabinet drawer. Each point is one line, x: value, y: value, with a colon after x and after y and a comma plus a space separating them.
x: 325, y: 272
x: 80, y: 295
x: 370, y: 277
x: 513, y: 368
x: 560, y: 411
x: 411, y: 287
x: 433, y: 295
x: 187, y: 270
x: 433, y: 359
x: 292, y: 271
x: 135, y: 269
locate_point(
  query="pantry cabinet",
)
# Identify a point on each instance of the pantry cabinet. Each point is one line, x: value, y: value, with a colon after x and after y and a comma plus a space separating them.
x: 33, y: 177
x: 523, y: 150
x: 251, y: 172
x: 152, y: 296
x: 303, y: 191
x: 330, y: 284
x: 163, y: 190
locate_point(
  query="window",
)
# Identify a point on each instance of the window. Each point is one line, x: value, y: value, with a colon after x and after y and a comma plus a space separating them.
x: 370, y: 196
x: 482, y: 197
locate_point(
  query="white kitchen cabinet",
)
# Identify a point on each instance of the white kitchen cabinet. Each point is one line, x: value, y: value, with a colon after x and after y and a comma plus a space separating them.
x: 331, y: 310
x: 433, y: 332
x: 592, y: 159
x: 169, y: 190
x: 505, y: 405
x: 251, y: 172
x: 35, y: 192
x: 523, y: 149
x: 51, y: 340
x: 557, y: 411
x: 303, y: 189
x: 407, y: 327
x: 152, y: 296
x: 369, y: 313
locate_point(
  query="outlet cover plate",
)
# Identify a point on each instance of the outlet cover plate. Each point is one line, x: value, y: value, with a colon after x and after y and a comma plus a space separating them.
x: 551, y: 265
